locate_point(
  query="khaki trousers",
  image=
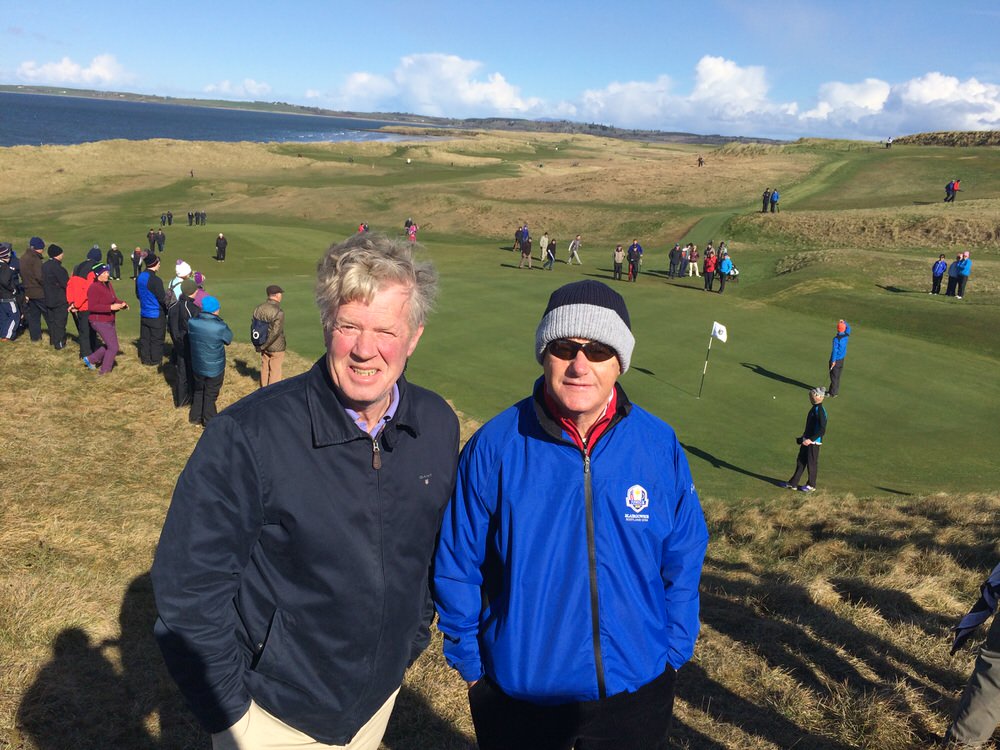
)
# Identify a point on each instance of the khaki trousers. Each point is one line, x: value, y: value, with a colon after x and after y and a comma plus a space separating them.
x: 270, y: 367
x: 259, y: 730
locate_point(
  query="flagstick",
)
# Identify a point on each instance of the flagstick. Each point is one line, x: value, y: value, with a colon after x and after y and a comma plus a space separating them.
x: 705, y: 369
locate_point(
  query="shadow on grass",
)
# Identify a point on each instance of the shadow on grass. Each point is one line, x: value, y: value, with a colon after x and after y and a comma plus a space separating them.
x: 895, y: 289
x: 415, y: 726
x: 658, y: 379
x: 719, y: 463
x: 247, y: 370
x: 80, y: 700
x: 761, y: 370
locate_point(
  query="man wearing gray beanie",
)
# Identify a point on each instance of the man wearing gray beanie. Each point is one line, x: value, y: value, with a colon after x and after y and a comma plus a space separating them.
x: 566, y: 576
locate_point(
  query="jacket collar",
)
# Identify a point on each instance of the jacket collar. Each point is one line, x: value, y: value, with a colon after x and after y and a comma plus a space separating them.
x: 550, y: 423
x: 330, y: 423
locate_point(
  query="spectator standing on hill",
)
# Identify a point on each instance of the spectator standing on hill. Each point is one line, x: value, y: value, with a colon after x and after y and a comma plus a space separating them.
x: 618, y: 258
x: 151, y: 237
x: 837, y: 355
x: 161, y: 240
x: 170, y: 218
x: 634, y: 255
x: 55, y: 279
x: 411, y: 232
x: 207, y: 336
x: 574, y: 251
x: 249, y: 608
x: 964, y: 269
x: 775, y: 197
x: 725, y: 268
x: 937, y: 273
x: 709, y: 269
x: 152, y: 313
x: 163, y: 219
x: 221, y: 243
x: 517, y: 238
x: 79, y: 305
x: 114, y: 260
x: 685, y: 259
x: 182, y: 270
x: 675, y: 261
x: 204, y: 218
x: 34, y: 290
x: 543, y: 245
x: 178, y: 316
x: 610, y: 591
x: 190, y: 218
x: 136, y: 258
x: 953, y: 276
x: 104, y: 304
x: 979, y: 708
x: 272, y: 351
x: 809, y: 444
x: 10, y: 316
x: 765, y: 200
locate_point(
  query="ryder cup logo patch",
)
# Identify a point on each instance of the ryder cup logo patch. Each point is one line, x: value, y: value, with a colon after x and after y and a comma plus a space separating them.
x: 637, y: 499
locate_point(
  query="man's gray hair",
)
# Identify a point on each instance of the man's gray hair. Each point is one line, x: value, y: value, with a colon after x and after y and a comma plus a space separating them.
x: 356, y: 269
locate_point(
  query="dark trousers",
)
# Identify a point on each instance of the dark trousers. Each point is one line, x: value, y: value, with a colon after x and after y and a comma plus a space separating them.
x: 135, y: 267
x: 152, y: 332
x: 952, y: 285
x: 936, y: 284
x: 633, y: 270
x: 185, y: 378
x: 618, y: 271
x: 206, y: 392
x: 220, y: 253
x: 627, y: 721
x: 34, y: 311
x: 58, y: 317
x: 673, y: 270
x: 962, y: 281
x: 722, y: 282
x: 835, y: 372
x: 808, y: 458
x: 709, y: 280
x: 86, y: 334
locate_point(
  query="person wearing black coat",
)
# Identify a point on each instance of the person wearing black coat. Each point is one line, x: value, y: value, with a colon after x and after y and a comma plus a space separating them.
x: 54, y: 281
x: 178, y: 316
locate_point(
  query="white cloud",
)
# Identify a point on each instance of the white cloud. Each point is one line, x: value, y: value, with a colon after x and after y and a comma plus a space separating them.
x: 313, y: 94
x: 849, y: 101
x: 438, y: 85
x: 103, y: 70
x: 248, y: 87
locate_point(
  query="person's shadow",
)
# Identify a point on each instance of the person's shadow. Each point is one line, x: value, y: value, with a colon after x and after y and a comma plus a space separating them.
x: 246, y: 370
x: 761, y: 370
x: 80, y: 700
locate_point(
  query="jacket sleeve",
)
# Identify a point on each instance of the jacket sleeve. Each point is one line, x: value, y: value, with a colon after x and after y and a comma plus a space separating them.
x: 458, y: 563
x: 214, y: 520
x: 683, y: 554
x: 275, y: 329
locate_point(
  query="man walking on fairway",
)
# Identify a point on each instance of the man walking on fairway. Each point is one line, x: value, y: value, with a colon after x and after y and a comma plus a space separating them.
x: 291, y: 577
x: 566, y: 576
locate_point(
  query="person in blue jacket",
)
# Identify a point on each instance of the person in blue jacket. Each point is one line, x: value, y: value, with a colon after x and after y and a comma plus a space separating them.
x: 837, y: 354
x: 937, y: 273
x: 208, y: 335
x: 964, y: 267
x: 775, y: 197
x: 725, y: 268
x: 152, y: 312
x: 566, y: 575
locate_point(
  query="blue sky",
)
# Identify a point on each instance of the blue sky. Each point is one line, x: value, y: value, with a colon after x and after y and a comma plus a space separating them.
x: 782, y: 69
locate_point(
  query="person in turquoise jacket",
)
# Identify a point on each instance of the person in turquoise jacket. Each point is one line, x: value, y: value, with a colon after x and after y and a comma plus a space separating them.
x: 566, y: 575
x: 964, y: 266
x: 208, y: 336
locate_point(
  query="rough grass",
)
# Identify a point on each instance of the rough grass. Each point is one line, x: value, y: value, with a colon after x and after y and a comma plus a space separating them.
x: 825, y: 620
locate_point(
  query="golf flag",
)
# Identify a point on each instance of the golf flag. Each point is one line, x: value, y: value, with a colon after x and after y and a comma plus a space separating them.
x: 719, y: 331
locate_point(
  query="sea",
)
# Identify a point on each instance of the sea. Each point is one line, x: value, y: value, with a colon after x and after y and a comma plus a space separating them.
x: 41, y: 119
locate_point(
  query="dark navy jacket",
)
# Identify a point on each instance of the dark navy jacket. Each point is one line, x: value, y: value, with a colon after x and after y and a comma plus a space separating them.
x: 291, y: 569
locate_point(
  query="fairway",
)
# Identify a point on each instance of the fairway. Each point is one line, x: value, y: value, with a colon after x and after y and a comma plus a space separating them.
x: 824, y: 617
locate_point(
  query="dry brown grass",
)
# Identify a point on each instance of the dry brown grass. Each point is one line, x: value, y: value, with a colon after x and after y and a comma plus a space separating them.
x: 825, y: 619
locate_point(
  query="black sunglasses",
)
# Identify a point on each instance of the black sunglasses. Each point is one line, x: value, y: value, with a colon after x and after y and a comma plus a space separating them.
x: 594, y: 351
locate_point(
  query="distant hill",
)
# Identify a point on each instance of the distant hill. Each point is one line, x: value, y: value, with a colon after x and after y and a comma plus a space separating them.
x: 470, y: 123
x: 970, y: 138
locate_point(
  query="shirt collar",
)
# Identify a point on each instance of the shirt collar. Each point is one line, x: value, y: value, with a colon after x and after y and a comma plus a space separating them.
x: 376, y: 428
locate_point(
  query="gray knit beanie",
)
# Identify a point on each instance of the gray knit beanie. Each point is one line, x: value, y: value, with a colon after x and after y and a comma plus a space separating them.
x: 587, y: 310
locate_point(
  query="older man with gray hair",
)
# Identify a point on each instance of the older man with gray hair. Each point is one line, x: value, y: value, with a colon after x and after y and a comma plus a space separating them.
x: 292, y: 574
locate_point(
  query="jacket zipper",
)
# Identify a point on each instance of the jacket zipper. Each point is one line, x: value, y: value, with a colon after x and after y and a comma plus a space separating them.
x: 376, y: 455
x: 595, y: 615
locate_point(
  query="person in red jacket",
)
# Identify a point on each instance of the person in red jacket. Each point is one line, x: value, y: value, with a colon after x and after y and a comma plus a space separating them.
x: 709, y: 269
x: 103, y: 304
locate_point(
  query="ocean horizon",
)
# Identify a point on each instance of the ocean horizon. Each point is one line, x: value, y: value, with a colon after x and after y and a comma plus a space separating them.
x: 46, y: 119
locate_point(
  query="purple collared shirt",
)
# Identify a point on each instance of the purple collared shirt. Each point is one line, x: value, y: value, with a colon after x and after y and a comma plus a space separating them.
x: 376, y: 428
